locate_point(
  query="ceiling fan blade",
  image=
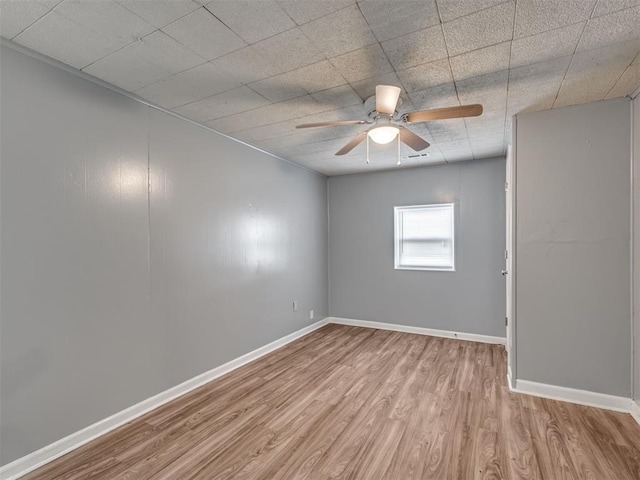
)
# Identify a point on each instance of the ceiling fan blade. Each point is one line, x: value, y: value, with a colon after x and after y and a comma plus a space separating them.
x: 351, y: 145
x: 412, y: 140
x: 444, y: 113
x: 332, y: 124
x: 387, y: 98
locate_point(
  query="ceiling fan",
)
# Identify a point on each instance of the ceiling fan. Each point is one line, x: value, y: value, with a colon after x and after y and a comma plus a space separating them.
x: 387, y: 123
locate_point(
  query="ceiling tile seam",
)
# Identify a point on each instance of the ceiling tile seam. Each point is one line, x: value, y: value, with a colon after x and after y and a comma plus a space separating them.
x: 241, y: 84
x: 505, y: 140
x: 269, y: 103
x: 144, y: 20
x: 280, y: 122
x: 547, y: 31
x: 231, y: 29
x: 455, y: 85
x: 189, y: 48
x: 612, y: 12
x: 384, y: 52
x: 173, y: 75
x: 573, y: 56
x: 594, y: 10
x: 621, y: 75
x: 154, y: 28
x: 137, y: 39
x: 221, y: 21
x: 248, y: 85
x: 284, y: 10
x: 472, y: 13
x: 140, y: 39
x: 34, y: 22
x: 391, y: 38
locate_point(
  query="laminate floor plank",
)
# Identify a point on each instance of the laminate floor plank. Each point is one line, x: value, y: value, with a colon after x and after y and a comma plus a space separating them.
x: 356, y: 403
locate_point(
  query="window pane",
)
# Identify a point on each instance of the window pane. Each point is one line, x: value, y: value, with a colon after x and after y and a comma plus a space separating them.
x: 424, y: 237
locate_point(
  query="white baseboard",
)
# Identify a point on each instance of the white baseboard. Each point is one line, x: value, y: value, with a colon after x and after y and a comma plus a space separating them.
x: 635, y: 410
x: 34, y: 460
x: 419, y: 330
x: 574, y: 395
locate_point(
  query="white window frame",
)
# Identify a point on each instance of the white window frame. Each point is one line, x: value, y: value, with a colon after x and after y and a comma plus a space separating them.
x: 397, y: 240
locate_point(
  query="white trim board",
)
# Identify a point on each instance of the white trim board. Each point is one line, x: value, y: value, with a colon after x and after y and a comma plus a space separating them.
x: 34, y: 460
x: 573, y: 395
x: 635, y: 410
x: 473, y: 337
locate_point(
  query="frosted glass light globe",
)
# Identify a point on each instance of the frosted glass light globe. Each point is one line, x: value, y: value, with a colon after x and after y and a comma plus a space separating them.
x: 384, y: 134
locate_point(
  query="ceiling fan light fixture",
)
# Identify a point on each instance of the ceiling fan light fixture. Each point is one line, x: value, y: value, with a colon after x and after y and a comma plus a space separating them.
x: 383, y: 135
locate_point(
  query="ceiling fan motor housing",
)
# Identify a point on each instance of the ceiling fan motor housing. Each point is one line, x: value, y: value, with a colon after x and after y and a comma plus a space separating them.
x: 370, y: 108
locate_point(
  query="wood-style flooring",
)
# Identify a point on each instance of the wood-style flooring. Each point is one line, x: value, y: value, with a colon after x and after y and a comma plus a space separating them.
x: 357, y: 403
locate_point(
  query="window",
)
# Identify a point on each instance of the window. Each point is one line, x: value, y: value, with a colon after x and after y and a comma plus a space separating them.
x: 424, y: 237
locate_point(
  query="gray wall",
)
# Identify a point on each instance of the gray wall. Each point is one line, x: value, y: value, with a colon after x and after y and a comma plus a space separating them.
x: 636, y: 244
x: 572, y: 227
x: 363, y: 283
x: 111, y: 294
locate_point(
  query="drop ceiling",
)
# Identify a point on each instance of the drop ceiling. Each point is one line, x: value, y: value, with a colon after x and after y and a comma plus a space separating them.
x: 254, y: 69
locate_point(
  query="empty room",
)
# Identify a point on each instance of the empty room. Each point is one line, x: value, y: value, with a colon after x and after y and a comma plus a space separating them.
x: 319, y: 239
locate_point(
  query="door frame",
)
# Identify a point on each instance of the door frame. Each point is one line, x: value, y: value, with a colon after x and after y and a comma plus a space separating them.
x: 510, y: 257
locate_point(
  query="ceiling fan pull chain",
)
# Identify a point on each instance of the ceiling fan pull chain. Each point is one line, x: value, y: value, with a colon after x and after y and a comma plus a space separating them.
x: 399, y: 162
x: 367, y: 149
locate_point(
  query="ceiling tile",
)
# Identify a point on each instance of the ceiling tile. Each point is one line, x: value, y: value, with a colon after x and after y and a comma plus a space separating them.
x: 223, y: 104
x: 16, y: 15
x: 340, y: 32
x: 278, y: 54
x: 544, y: 46
x: 609, y: 6
x: 309, y: 79
x: 342, y: 96
x: 627, y: 83
x: 58, y: 37
x: 246, y: 65
x: 154, y: 57
x: 253, y: 21
x: 390, y: 19
x: 364, y: 63
x: 536, y: 16
x: 452, y: 9
x: 288, y: 127
x: 487, y: 149
x: 453, y: 135
x: 480, y: 62
x: 436, y: 97
x: 485, y: 87
x: 541, y: 97
x: 457, y: 151
x: 486, y: 27
x: 491, y: 131
x: 288, y: 51
x: 316, y: 60
x: 535, y: 87
x: 159, y: 12
x: 106, y: 18
x: 193, y: 84
x: 549, y: 71
x: 416, y: 48
x: 203, y: 33
x: 592, y: 74
x: 609, y: 29
x: 426, y: 76
x: 273, y: 113
x: 304, y: 11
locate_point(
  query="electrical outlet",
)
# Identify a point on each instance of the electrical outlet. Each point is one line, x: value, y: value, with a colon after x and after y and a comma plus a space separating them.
x: 295, y: 305
x: 310, y: 314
